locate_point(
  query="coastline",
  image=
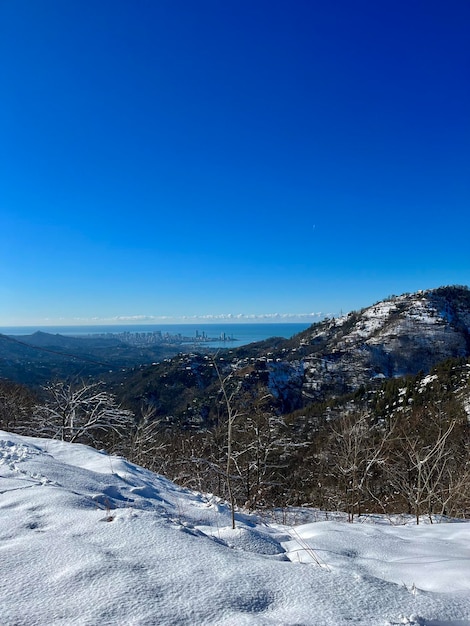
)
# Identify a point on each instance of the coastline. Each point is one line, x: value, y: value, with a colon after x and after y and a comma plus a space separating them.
x: 227, y: 335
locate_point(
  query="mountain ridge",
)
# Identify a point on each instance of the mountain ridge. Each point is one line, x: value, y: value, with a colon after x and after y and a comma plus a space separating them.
x: 397, y: 336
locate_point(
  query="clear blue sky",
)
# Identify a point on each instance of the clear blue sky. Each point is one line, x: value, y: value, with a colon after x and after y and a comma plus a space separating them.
x: 203, y: 158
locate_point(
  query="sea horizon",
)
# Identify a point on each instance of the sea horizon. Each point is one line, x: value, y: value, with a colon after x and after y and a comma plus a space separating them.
x: 226, y: 334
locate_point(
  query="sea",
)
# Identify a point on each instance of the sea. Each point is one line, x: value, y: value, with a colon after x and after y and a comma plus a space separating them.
x: 221, y: 335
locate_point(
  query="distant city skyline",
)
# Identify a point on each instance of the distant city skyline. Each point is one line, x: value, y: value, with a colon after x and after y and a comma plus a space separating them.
x: 187, y: 160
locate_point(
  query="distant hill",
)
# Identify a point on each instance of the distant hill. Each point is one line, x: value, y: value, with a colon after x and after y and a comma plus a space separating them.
x: 37, y: 358
x: 395, y: 337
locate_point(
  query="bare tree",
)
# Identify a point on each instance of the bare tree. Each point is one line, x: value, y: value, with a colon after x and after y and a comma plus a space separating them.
x: 262, y: 451
x: 419, y: 463
x: 82, y: 412
x: 16, y: 407
x: 232, y: 414
x: 453, y: 495
x: 147, y: 445
x: 354, y: 451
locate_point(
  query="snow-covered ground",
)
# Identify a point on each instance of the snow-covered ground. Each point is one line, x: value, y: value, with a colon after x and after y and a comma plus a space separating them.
x: 87, y: 538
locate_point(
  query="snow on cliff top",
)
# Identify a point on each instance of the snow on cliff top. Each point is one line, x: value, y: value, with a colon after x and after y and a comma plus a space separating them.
x: 375, y: 317
x: 87, y: 538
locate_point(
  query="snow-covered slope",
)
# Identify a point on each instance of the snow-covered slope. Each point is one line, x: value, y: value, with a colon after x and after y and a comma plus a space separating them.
x: 86, y: 538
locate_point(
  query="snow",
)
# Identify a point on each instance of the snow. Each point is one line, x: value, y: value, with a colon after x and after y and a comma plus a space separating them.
x: 87, y: 538
x: 426, y: 381
x: 466, y: 406
x: 374, y: 319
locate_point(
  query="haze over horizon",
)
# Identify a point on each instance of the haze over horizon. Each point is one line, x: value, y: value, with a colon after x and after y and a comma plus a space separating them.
x: 149, y: 320
x: 175, y: 160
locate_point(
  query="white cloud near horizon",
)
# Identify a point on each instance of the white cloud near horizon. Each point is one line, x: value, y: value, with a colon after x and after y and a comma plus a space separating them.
x: 221, y: 317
